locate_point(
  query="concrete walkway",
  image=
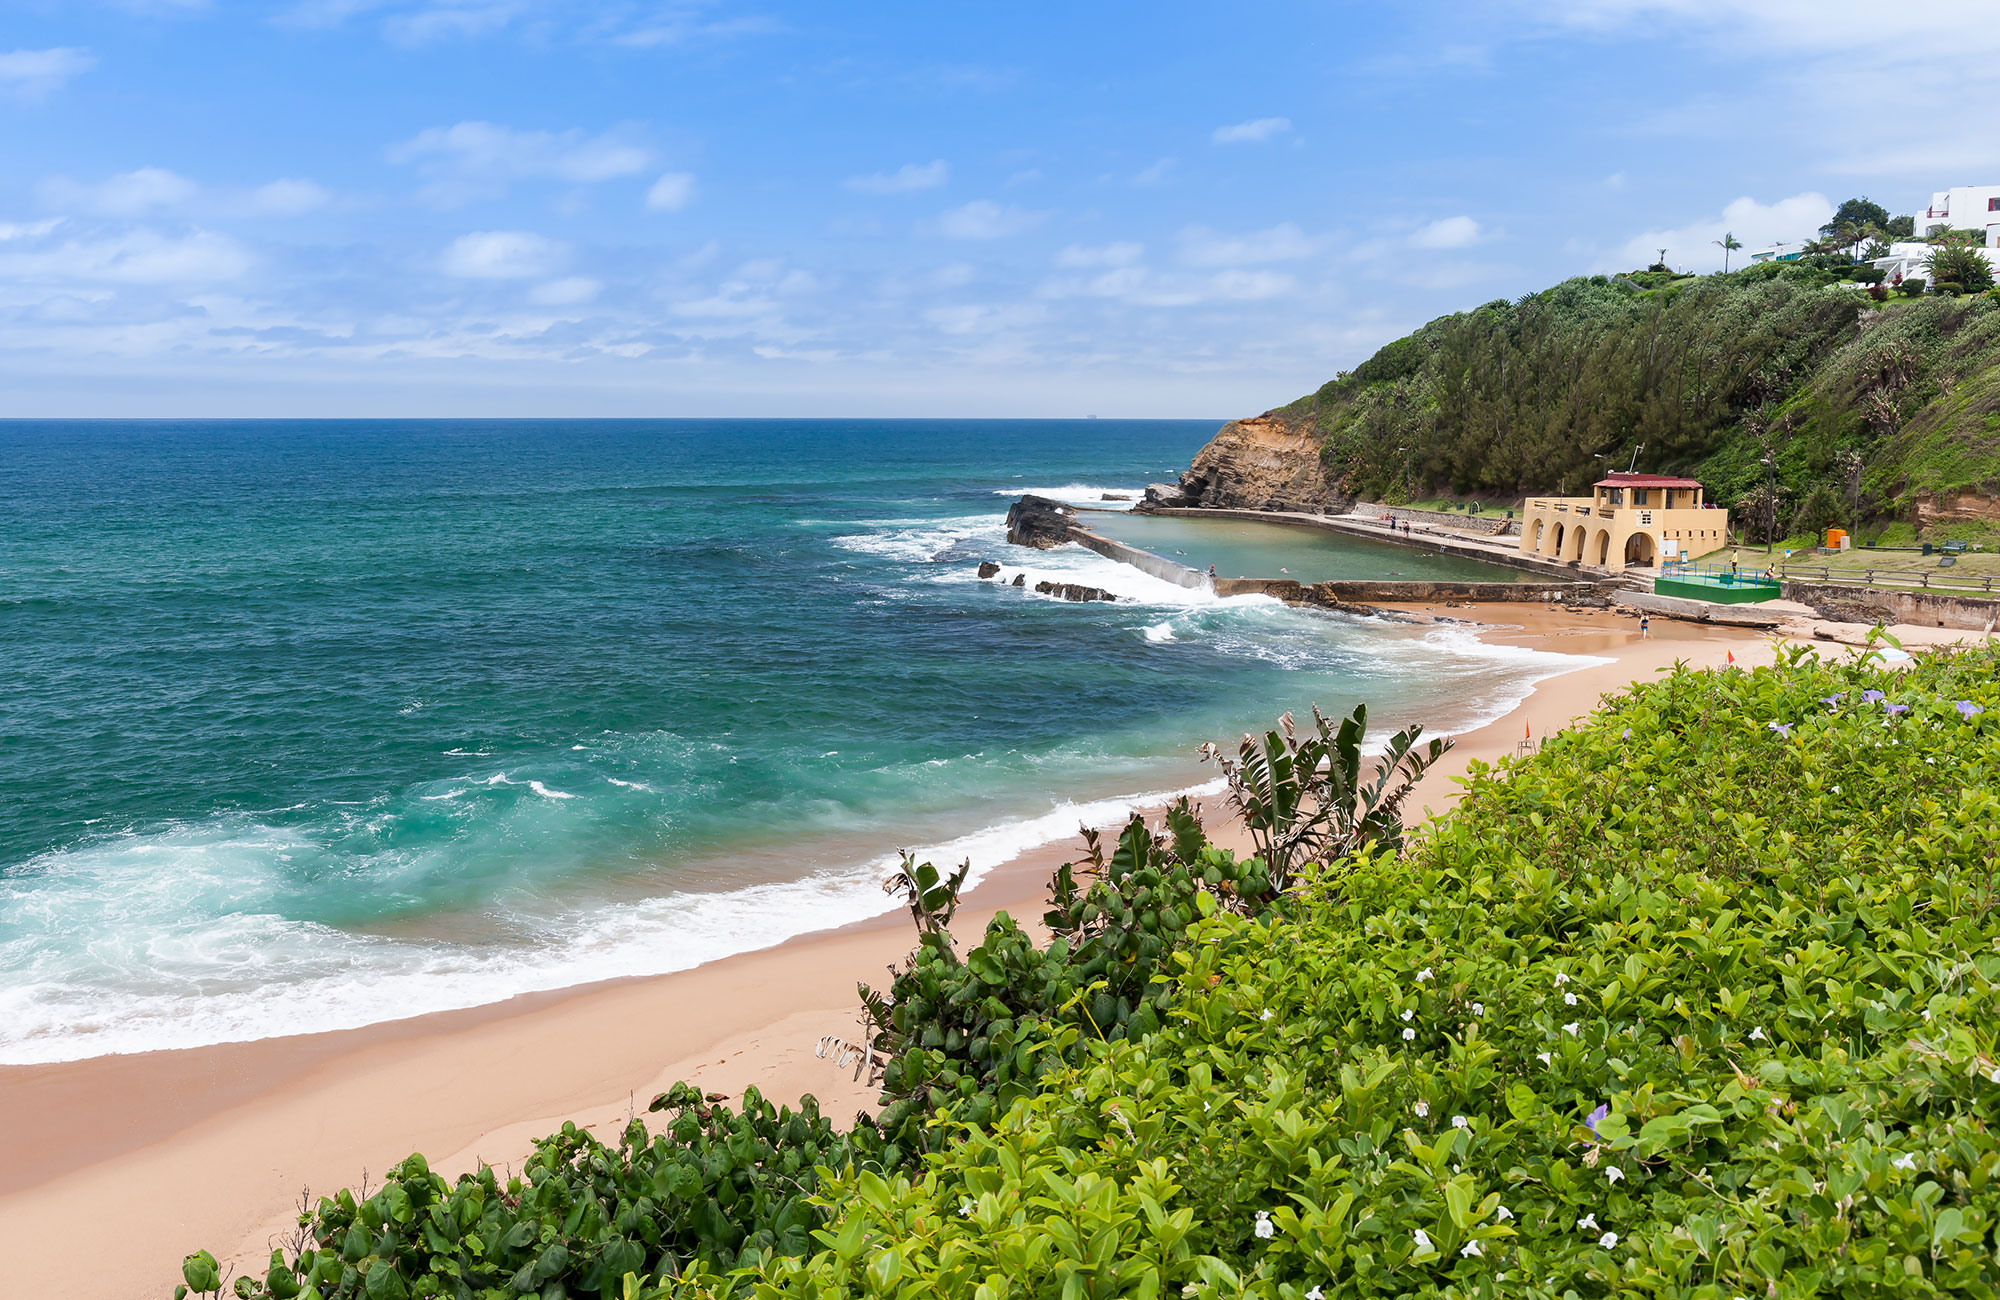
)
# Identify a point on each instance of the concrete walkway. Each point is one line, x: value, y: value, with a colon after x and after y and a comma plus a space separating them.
x: 1421, y: 537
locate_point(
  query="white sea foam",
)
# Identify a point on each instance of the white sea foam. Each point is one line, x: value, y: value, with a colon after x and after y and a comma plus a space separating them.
x: 630, y: 785
x: 547, y: 793
x: 1080, y: 494
x: 1160, y: 632
x: 229, y: 974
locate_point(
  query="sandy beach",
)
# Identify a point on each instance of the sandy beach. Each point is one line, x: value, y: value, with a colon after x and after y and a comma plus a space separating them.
x: 213, y: 1147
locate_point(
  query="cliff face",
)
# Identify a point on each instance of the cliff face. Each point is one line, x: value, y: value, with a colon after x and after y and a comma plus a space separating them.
x: 1267, y: 462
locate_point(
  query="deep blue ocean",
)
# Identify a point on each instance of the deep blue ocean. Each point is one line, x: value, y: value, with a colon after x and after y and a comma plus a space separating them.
x: 306, y: 725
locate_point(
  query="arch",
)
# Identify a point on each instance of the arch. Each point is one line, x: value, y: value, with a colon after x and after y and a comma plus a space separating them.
x: 1578, y: 537
x: 1639, y: 549
x: 1603, y: 547
x: 1538, y: 537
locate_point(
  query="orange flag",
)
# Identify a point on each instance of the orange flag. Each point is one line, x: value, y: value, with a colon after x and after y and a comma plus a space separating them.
x: 1731, y: 654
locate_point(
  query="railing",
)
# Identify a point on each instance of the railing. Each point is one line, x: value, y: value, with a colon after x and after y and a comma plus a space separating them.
x: 1714, y: 575
x: 1922, y: 579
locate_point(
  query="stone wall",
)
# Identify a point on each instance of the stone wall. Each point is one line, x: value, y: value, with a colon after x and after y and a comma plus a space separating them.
x: 1496, y: 523
x: 1144, y: 561
x: 1355, y: 591
x: 1923, y: 608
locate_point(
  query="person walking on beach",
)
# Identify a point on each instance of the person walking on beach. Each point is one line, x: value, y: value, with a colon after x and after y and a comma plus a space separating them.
x: 1645, y: 625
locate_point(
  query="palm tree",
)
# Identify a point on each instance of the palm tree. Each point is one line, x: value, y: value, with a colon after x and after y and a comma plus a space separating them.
x: 1729, y: 243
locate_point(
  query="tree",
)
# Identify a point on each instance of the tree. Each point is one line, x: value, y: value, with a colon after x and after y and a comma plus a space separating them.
x: 1729, y: 243
x: 1900, y: 227
x: 1960, y: 264
x: 1856, y: 212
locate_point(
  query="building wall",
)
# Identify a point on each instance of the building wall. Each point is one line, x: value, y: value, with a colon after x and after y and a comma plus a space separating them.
x: 1964, y: 207
x: 1600, y: 538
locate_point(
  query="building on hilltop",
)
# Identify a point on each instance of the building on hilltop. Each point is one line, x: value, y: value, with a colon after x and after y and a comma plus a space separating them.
x: 1629, y: 521
x: 1963, y: 207
x: 1907, y: 260
x: 1779, y: 253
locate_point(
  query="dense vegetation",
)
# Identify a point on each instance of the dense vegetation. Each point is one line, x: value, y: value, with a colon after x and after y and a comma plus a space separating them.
x: 1863, y: 403
x: 1699, y: 1001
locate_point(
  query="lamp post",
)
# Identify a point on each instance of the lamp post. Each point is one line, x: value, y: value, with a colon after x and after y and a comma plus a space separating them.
x: 1407, y: 485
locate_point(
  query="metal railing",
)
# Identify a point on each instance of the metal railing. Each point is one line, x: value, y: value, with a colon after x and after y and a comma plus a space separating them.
x: 1715, y: 575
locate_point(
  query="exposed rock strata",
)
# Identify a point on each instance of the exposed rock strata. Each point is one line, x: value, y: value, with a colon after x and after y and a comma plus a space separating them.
x: 1267, y: 462
x: 1038, y: 522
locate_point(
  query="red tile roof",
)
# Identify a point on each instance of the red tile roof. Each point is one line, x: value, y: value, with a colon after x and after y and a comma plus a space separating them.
x: 1646, y: 480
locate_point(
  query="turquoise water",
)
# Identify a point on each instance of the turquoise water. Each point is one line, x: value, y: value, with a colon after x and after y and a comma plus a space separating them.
x: 1242, y: 548
x: 315, y: 724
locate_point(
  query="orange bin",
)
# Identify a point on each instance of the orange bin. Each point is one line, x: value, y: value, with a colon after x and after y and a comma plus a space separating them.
x: 1835, y: 537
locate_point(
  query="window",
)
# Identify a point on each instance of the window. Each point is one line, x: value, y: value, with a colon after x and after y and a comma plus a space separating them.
x: 1993, y: 205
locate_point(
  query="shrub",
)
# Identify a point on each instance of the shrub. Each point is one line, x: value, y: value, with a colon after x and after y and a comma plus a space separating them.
x: 1698, y: 1002
x: 1912, y: 287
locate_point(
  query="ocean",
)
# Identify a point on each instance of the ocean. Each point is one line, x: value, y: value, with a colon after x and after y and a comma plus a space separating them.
x: 314, y: 724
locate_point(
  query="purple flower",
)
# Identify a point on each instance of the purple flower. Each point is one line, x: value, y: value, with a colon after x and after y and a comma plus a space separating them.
x: 1603, y: 1109
x: 1782, y: 728
x: 1870, y: 697
x: 1894, y: 709
x: 1628, y: 734
x: 1967, y: 709
x: 1830, y: 700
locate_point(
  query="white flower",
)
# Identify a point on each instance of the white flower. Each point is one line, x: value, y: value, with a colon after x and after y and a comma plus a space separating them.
x: 1757, y: 1034
x: 1613, y: 1172
x: 1608, y: 1240
x: 1266, y: 1015
x: 1588, y: 1223
x: 1470, y: 1248
x: 1569, y: 999
x: 1546, y: 1058
x: 1265, y: 1229
x: 1458, y: 1121
x: 1994, y: 1074
x: 1904, y: 1162
x: 1423, y: 1240
x: 1571, y: 1028
x: 1423, y: 1109
x: 1502, y: 1213
x: 965, y: 1207
x: 1315, y: 1294
x: 1479, y: 1008
x: 1409, y: 1035
x: 1561, y: 979
x: 1409, y: 1015
x: 1424, y: 974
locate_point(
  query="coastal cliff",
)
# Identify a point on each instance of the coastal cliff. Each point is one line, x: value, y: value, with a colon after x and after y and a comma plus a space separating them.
x: 1265, y: 462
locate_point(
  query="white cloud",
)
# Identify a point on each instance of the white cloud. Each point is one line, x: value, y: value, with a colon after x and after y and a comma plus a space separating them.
x: 1114, y: 254
x: 1145, y: 287
x: 503, y: 255
x: 128, y: 194
x: 452, y: 19
x: 1692, y: 247
x: 908, y: 177
x: 1200, y: 246
x: 985, y: 219
x: 1154, y: 175
x: 34, y: 75
x: 133, y: 257
x: 672, y: 192
x: 287, y: 198
x: 481, y: 159
x: 566, y: 292
x: 1448, y: 232
x: 1252, y: 132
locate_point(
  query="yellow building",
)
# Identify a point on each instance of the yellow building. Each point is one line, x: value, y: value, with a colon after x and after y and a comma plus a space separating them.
x: 1630, y: 521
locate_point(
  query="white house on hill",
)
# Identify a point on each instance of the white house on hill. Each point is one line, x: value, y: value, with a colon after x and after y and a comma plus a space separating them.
x: 1963, y: 207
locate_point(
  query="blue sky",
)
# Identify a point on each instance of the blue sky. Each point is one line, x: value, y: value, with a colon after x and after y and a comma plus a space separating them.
x: 533, y: 207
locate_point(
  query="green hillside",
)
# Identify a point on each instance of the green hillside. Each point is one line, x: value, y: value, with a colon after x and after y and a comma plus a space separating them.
x: 1709, y: 373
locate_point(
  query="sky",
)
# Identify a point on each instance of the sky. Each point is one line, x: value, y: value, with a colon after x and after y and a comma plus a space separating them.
x: 649, y: 208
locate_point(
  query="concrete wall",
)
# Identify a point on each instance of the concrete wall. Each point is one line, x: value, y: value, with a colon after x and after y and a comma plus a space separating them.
x: 1365, y: 592
x: 1495, y: 521
x: 1144, y: 561
x: 1924, y: 608
x: 1491, y: 552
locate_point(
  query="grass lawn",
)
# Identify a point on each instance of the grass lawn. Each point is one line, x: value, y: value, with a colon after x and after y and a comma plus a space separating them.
x: 1971, y: 570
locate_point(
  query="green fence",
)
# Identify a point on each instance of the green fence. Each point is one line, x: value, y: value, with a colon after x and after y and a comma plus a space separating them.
x: 1718, y: 584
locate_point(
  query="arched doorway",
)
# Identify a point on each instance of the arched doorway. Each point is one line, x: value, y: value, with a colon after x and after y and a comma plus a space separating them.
x: 1538, y: 537
x: 1557, y: 549
x: 1577, y: 538
x: 1603, y: 547
x: 1639, y: 549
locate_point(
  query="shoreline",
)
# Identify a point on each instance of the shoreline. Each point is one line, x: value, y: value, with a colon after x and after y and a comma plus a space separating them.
x: 210, y: 1146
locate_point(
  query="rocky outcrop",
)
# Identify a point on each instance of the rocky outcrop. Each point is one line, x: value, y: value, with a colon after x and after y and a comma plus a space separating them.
x: 1966, y: 505
x: 1267, y: 462
x: 1038, y: 522
x: 1168, y: 494
x: 988, y: 568
x: 1020, y: 579
x: 1073, y: 591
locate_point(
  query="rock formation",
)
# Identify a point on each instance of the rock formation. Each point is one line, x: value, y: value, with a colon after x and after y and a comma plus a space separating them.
x: 1073, y: 591
x: 988, y: 568
x: 1267, y: 462
x: 1038, y: 522
x: 1020, y: 579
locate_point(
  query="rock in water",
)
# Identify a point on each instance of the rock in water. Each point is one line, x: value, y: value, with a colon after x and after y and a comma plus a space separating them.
x: 1116, y: 496
x: 1073, y: 591
x: 988, y: 568
x: 1020, y: 579
x: 1167, y: 494
x: 1038, y: 522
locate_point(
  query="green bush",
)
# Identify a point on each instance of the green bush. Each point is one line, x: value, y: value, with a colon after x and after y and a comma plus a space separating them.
x: 1699, y: 1002
x: 1911, y: 287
